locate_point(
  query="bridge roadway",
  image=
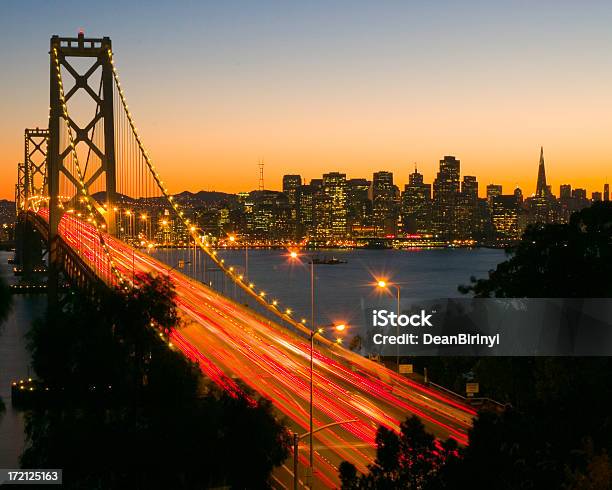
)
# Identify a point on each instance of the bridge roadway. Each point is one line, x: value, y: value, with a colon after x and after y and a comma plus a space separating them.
x: 230, y: 342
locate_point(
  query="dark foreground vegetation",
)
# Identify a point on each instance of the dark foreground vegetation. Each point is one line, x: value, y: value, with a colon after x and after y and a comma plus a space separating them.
x: 5, y: 308
x: 126, y: 411
x: 557, y: 431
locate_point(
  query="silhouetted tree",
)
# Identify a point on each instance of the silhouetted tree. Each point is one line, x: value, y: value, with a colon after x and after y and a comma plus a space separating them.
x: 407, y: 460
x: 348, y: 475
x: 558, y: 433
x: 6, y: 301
x: 557, y: 260
x: 597, y: 472
x: 129, y: 412
x: 5, y: 308
x: 558, y: 402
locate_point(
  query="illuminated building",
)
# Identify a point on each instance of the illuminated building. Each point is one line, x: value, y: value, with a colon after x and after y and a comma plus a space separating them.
x: 542, y: 205
x: 330, y: 208
x: 385, y: 204
x: 291, y: 188
x: 416, y: 205
x: 359, y: 206
x: 467, y: 207
x: 270, y: 215
x: 445, y: 196
x: 505, y: 217
x: 166, y: 234
x: 493, y: 190
x: 306, y: 210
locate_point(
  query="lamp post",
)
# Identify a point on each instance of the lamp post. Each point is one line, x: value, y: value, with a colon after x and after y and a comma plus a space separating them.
x: 233, y: 240
x: 193, y: 261
x: 144, y: 218
x: 296, y: 442
x: 382, y: 284
x: 313, y: 333
x: 130, y: 226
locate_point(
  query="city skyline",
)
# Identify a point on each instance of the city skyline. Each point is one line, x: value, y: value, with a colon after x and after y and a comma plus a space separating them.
x: 356, y: 89
x: 336, y: 210
x: 402, y: 179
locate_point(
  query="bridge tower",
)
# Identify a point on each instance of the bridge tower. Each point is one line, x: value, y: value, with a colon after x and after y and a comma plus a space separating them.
x: 35, y: 167
x: 96, y: 49
x: 20, y: 189
x: 65, y: 51
x: 30, y: 194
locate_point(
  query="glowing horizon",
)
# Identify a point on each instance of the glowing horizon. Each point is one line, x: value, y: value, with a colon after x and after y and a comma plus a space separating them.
x: 322, y: 88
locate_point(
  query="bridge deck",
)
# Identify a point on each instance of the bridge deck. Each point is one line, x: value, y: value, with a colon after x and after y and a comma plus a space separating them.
x: 230, y: 341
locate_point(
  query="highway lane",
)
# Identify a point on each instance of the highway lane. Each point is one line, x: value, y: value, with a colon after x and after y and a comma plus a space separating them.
x: 232, y: 342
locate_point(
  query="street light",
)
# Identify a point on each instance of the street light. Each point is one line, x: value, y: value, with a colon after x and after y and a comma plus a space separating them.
x: 233, y: 239
x: 382, y: 284
x: 313, y: 334
x: 194, y: 258
x: 296, y: 442
x: 294, y: 256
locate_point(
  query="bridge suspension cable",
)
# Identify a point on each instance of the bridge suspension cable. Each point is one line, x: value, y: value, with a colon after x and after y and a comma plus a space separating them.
x: 144, y: 157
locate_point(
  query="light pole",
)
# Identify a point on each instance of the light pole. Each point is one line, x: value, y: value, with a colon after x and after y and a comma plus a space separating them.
x: 144, y: 218
x: 313, y: 332
x: 193, y: 261
x: 233, y: 239
x: 296, y: 442
x: 384, y: 285
x: 246, y: 260
x: 130, y: 227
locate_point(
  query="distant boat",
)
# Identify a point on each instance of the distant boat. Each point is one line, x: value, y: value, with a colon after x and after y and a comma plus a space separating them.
x: 378, y: 244
x: 328, y: 261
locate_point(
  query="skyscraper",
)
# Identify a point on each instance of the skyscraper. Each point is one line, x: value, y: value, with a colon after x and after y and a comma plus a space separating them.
x: 493, y: 190
x: 359, y: 205
x: 269, y: 218
x: 504, y: 214
x: 467, y: 207
x: 385, y: 203
x: 541, y: 187
x: 306, y: 201
x: 542, y: 206
x: 606, y: 192
x: 445, y: 196
x: 518, y: 194
x: 565, y: 191
x: 291, y: 188
x: 416, y: 204
x: 330, y: 208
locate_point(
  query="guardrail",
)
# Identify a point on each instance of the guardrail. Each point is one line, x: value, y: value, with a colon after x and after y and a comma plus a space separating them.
x: 473, y: 400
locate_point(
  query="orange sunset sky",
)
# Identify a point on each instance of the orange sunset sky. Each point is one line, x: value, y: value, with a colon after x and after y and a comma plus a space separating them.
x: 354, y: 87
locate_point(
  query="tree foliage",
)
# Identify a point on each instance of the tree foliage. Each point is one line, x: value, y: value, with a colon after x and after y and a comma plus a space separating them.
x: 572, y: 260
x: 407, y: 460
x: 6, y: 303
x: 126, y: 411
x: 558, y: 431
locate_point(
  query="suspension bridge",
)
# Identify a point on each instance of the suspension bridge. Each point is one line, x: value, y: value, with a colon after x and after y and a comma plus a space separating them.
x: 71, y: 194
